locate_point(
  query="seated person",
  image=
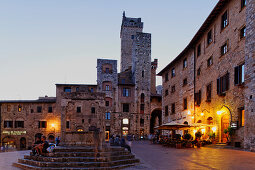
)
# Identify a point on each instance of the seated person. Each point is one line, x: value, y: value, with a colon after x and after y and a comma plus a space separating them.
x: 42, y: 148
x: 37, y: 142
x: 124, y: 145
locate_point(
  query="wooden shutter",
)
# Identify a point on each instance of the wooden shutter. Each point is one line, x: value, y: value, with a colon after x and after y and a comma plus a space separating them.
x: 218, y: 86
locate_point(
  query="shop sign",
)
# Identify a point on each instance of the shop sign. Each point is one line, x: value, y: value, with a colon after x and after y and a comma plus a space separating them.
x: 14, y: 132
x: 234, y: 125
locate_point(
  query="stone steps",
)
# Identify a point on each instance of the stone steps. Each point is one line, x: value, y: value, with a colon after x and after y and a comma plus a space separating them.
x: 86, y: 154
x: 89, y: 149
x: 78, y: 159
x: 64, y: 158
x: 77, y: 164
x: 29, y: 167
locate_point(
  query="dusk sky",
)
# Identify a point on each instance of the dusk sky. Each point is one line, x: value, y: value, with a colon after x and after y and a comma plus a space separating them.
x: 45, y: 42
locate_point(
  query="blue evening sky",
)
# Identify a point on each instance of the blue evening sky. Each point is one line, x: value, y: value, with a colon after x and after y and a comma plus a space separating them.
x: 44, y: 42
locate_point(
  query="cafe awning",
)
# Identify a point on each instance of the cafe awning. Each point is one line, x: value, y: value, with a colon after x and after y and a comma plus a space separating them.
x: 172, y: 126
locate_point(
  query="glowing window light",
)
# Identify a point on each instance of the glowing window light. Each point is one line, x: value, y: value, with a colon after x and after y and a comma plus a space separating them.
x: 125, y: 121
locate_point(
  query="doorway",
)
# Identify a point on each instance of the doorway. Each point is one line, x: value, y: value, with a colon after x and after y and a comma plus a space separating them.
x: 224, y: 125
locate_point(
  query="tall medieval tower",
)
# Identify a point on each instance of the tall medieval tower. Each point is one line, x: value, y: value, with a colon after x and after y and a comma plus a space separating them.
x: 129, y: 28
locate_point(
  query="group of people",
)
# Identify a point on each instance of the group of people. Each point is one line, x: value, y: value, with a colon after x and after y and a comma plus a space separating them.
x: 117, y: 141
x: 41, y: 145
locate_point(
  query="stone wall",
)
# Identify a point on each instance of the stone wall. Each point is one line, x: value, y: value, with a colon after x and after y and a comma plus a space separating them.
x: 31, y: 118
x: 249, y: 132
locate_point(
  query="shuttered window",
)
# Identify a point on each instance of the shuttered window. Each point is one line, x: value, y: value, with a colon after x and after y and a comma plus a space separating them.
x: 223, y: 84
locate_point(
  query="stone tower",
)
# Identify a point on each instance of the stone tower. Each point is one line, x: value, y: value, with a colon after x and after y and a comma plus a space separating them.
x: 141, y: 70
x: 129, y: 28
x: 154, y: 66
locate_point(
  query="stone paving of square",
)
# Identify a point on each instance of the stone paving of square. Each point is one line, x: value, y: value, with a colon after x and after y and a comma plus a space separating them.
x: 157, y: 157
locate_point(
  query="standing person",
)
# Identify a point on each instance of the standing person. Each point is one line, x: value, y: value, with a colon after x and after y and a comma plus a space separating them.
x: 124, y: 145
x: 129, y: 140
x: 57, y: 140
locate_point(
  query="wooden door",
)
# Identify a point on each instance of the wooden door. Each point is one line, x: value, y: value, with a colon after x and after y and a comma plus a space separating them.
x: 224, y: 125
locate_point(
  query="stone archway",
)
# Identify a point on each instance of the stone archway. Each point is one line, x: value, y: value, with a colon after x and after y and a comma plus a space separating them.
x: 156, y: 119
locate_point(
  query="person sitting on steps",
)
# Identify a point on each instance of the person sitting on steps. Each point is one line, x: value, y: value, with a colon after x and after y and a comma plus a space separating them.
x: 124, y: 145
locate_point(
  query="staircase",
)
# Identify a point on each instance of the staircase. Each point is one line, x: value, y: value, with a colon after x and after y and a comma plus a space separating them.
x: 74, y: 158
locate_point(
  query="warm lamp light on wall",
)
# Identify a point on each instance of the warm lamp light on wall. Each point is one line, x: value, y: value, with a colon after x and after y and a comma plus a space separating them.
x: 203, y: 131
x: 194, y: 131
x: 219, y: 112
x: 189, y: 113
x: 202, y: 114
x: 192, y: 117
x: 214, y: 129
x: 53, y: 125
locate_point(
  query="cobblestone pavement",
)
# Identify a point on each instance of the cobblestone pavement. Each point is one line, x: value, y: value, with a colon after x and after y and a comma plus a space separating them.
x: 7, y: 158
x: 157, y: 157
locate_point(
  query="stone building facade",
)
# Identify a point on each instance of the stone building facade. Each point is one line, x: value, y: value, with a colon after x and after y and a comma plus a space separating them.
x: 23, y: 120
x: 212, y: 93
x: 120, y: 103
x: 249, y: 131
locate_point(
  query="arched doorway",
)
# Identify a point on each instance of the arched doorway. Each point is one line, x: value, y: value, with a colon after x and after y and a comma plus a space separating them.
x: 51, y: 138
x: 224, y: 125
x: 156, y: 119
x: 8, y: 142
x: 23, y: 143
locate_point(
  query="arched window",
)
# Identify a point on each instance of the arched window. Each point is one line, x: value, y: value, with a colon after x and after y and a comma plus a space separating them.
x: 199, y: 121
x: 209, y: 120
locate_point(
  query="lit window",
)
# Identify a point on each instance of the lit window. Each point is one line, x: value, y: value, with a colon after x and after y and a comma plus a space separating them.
x: 126, y: 92
x: 19, y: 109
x: 125, y: 121
x: 108, y: 116
x: 107, y: 87
x: 67, y: 89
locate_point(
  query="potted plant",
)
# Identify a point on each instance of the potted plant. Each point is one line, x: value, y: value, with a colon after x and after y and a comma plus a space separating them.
x: 187, y: 137
x: 178, y: 141
x: 212, y: 137
x: 229, y: 132
x: 198, y: 135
